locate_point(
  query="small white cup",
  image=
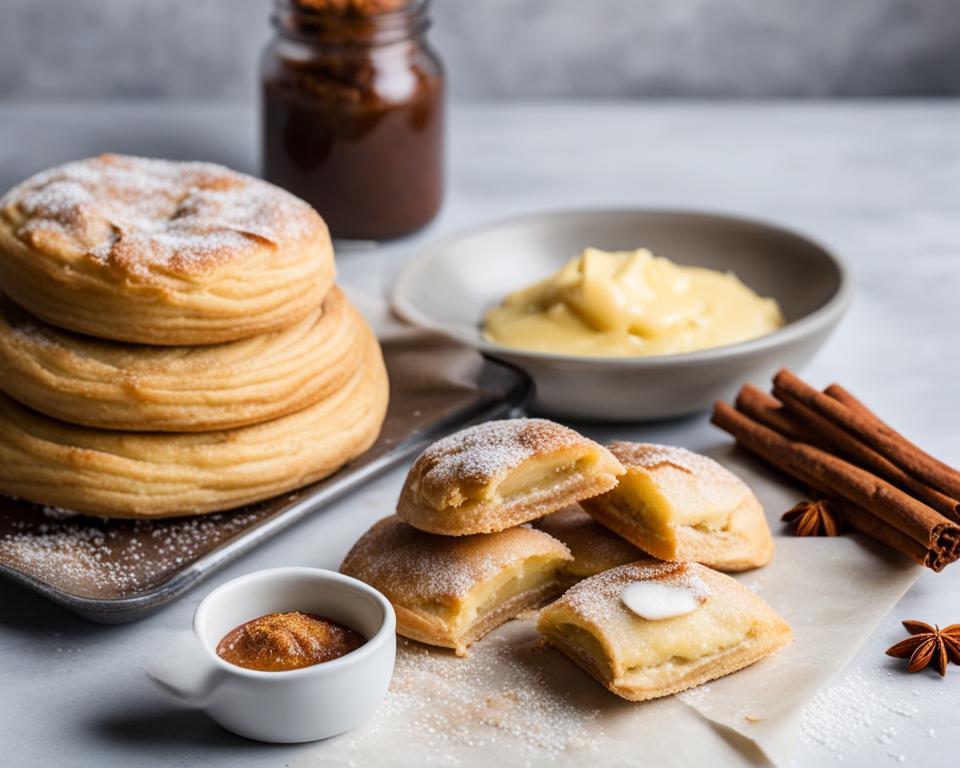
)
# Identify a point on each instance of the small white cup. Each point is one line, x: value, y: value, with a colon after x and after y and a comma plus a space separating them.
x: 304, y: 704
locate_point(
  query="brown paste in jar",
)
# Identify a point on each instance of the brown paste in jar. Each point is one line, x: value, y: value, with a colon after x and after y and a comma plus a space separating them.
x: 279, y: 642
x: 353, y: 114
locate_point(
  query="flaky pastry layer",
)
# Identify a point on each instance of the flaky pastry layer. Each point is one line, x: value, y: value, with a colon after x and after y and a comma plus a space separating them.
x: 112, y: 385
x: 126, y: 474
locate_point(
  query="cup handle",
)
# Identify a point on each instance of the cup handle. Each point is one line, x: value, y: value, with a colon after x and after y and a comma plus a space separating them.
x: 186, y: 672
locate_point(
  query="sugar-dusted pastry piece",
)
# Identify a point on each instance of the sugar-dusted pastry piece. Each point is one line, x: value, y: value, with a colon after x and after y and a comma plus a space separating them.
x: 679, y: 505
x: 450, y: 591
x: 500, y: 474
x: 646, y: 630
x: 594, y: 548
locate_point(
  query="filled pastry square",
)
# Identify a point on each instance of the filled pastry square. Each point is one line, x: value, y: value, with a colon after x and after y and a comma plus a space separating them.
x: 679, y: 505
x: 451, y: 591
x: 500, y: 474
x: 647, y: 630
x: 594, y: 548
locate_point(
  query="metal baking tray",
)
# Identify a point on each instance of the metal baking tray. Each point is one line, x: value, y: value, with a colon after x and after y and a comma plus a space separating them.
x: 114, y: 571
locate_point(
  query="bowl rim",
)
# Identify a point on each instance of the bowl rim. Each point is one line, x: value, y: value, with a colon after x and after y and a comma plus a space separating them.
x: 822, y: 316
x: 384, y: 634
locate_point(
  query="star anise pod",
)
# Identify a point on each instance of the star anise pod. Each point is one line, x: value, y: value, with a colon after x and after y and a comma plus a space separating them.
x: 813, y: 518
x: 927, y: 645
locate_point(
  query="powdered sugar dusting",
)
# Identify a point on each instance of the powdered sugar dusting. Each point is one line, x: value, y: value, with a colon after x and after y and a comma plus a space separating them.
x: 861, y: 710
x: 102, y: 559
x: 59, y: 513
x: 448, y: 707
x: 139, y: 213
x: 482, y: 453
x: 406, y: 563
x: 653, y: 455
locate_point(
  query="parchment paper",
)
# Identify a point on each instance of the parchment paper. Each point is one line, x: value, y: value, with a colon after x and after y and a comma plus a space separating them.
x: 515, y: 702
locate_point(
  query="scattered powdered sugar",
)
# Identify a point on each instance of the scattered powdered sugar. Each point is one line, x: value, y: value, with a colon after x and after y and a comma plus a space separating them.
x: 29, y: 331
x: 97, y: 558
x: 698, y: 698
x: 399, y: 560
x: 136, y: 212
x: 859, y: 710
x: 59, y: 513
x: 447, y: 708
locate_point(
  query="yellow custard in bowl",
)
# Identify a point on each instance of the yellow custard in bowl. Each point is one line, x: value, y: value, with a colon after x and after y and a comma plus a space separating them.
x: 631, y: 303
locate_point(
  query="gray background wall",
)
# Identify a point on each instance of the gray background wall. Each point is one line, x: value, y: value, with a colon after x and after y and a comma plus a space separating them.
x: 207, y: 49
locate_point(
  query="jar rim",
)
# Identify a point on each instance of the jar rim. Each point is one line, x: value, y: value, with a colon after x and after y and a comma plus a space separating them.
x: 293, y: 21
x: 410, y: 8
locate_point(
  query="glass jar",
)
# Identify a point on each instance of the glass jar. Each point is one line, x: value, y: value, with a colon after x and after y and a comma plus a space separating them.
x: 353, y: 113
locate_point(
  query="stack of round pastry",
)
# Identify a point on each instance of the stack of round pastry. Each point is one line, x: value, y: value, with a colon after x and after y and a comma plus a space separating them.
x: 172, y: 342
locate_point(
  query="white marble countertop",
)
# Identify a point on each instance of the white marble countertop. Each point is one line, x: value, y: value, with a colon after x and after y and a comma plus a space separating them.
x: 877, y: 181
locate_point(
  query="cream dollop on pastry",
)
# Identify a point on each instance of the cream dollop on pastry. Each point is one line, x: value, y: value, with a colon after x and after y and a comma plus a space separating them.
x: 500, y: 474
x: 654, y: 601
x: 451, y: 591
x: 679, y: 505
x: 636, y: 658
x: 594, y: 548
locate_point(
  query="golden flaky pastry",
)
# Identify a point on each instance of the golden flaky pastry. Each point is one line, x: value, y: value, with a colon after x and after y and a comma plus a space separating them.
x: 594, y: 548
x: 113, y: 385
x: 502, y: 473
x: 161, y: 252
x: 451, y: 591
x: 727, y: 628
x: 130, y: 474
x: 679, y: 505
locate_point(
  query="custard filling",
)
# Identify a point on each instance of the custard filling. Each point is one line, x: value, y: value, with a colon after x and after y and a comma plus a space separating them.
x: 645, y: 503
x: 487, y: 596
x: 659, y: 658
x: 532, y: 478
x: 627, y: 643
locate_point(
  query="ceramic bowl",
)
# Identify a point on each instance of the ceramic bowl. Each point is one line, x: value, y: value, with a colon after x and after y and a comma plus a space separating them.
x: 298, y: 705
x: 449, y: 285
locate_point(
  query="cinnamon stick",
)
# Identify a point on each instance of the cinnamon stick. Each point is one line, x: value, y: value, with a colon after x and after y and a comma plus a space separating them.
x: 862, y: 521
x: 833, y: 476
x: 796, y: 396
x: 842, y: 408
x: 766, y: 409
